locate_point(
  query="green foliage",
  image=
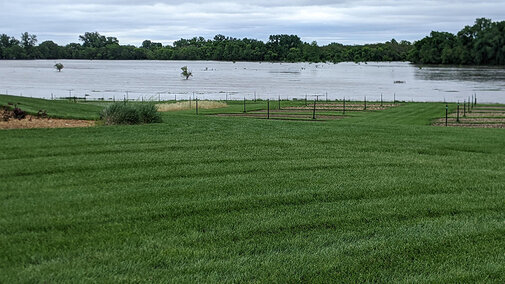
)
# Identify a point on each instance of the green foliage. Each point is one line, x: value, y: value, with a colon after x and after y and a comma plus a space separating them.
x: 278, y: 48
x: 148, y: 113
x: 480, y: 44
x: 58, y: 66
x: 125, y: 113
x: 185, y: 73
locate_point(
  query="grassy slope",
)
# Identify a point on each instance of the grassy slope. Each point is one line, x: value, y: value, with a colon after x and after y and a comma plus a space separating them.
x: 369, y: 198
x: 57, y: 109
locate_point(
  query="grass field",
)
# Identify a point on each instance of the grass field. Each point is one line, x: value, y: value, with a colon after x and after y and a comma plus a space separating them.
x: 375, y: 197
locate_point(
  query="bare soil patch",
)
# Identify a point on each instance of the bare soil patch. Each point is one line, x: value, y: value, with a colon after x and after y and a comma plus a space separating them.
x: 340, y: 107
x: 471, y: 125
x: 482, y: 117
x: 188, y: 105
x: 479, y: 114
x: 301, y: 116
x: 34, y: 122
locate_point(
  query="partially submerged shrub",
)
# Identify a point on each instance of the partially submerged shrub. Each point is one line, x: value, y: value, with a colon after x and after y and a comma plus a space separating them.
x: 122, y: 113
x: 58, y: 66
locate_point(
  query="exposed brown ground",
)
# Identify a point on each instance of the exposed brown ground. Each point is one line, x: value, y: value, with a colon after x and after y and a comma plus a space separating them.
x: 471, y: 125
x: 349, y: 107
x: 480, y: 117
x: 305, y: 112
x: 480, y: 114
x: 187, y: 105
x: 33, y: 122
x: 281, y: 116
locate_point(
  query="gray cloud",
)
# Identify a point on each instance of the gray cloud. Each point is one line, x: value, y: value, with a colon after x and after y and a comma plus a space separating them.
x: 350, y: 22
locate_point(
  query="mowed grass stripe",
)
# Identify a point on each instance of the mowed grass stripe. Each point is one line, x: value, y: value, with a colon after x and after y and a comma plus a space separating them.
x: 378, y: 197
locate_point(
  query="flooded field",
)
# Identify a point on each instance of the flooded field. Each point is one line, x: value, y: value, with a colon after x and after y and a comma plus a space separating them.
x: 161, y: 80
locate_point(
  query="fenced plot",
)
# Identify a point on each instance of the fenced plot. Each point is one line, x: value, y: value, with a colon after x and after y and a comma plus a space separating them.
x: 487, y: 116
x: 315, y: 110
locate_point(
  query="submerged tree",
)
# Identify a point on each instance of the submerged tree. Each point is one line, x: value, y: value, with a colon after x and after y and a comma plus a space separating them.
x: 58, y: 66
x: 185, y: 73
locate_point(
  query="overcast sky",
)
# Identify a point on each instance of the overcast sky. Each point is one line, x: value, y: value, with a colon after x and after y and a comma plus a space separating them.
x: 345, y: 21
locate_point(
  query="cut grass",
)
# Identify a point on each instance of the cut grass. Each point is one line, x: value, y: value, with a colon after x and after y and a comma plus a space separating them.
x: 56, y: 108
x: 376, y: 197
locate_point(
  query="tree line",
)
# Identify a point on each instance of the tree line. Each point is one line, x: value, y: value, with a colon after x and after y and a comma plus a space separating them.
x: 285, y: 48
x: 482, y: 43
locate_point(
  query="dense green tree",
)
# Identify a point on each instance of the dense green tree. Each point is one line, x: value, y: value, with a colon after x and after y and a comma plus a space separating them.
x: 50, y: 50
x: 481, y: 44
x: 96, y: 40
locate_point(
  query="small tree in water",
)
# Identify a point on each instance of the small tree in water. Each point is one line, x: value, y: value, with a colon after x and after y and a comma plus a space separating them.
x: 58, y: 66
x: 185, y: 73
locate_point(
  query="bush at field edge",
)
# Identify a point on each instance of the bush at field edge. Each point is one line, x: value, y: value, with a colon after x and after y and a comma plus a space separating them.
x: 122, y: 113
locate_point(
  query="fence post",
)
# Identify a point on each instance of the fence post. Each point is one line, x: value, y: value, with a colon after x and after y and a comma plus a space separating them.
x: 475, y: 99
x: 464, y: 108
x: 457, y: 119
x: 344, y: 107
x: 268, y: 108
x: 305, y: 99
x: 381, y: 99
x: 244, y: 106
x: 196, y: 102
x: 255, y: 96
x: 365, y: 104
x: 279, y: 102
x: 446, y: 113
x: 314, y: 111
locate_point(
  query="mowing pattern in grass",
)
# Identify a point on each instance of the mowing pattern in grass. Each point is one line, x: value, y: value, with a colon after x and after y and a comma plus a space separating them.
x: 482, y: 116
x: 223, y: 199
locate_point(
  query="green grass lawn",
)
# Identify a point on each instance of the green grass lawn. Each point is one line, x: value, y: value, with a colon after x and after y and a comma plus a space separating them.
x: 56, y: 108
x: 376, y: 197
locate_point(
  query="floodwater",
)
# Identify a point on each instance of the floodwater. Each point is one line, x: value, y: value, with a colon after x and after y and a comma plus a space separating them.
x: 154, y: 80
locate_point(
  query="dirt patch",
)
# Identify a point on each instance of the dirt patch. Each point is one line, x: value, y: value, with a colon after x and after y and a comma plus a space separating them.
x: 488, y: 110
x: 479, y: 114
x: 300, y: 116
x: 470, y: 120
x: 471, y: 125
x: 483, y: 117
x: 34, y: 122
x: 188, y: 105
x: 340, y: 107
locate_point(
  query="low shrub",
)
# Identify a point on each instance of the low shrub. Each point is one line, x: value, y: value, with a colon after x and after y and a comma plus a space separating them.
x: 122, y: 113
x: 18, y: 113
x: 148, y: 113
